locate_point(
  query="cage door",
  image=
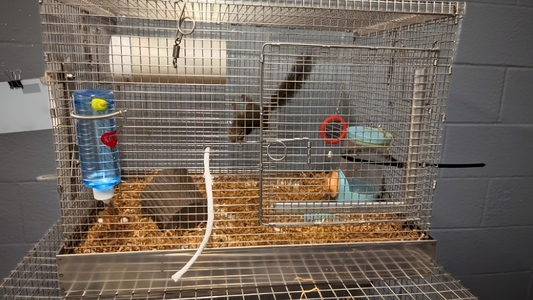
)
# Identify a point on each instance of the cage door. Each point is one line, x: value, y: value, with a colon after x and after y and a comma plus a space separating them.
x: 373, y: 90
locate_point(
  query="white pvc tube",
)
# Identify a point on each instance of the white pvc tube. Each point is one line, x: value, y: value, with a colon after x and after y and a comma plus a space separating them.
x: 210, y: 217
x: 149, y: 59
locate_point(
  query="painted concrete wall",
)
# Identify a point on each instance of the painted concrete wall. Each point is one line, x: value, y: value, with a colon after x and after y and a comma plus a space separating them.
x: 482, y: 218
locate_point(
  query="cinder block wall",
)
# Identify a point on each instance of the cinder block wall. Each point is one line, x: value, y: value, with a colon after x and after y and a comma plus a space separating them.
x: 482, y: 217
x: 27, y: 207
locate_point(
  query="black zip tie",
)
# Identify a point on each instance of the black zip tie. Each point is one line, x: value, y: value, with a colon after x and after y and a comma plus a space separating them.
x: 395, y: 163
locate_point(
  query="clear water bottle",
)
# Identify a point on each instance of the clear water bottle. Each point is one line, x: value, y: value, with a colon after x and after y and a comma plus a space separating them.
x: 97, y: 141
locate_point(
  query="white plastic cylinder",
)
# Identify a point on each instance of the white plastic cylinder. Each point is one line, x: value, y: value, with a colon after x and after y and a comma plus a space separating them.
x: 149, y: 59
x: 103, y: 195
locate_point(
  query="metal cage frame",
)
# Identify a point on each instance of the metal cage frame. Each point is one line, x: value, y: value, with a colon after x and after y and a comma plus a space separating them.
x: 383, y: 64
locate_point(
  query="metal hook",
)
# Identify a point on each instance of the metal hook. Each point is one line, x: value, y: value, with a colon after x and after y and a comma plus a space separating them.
x: 181, y: 32
x: 337, y: 110
x: 182, y: 18
x: 436, y: 50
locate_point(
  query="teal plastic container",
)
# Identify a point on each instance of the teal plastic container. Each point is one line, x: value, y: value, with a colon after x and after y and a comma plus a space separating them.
x: 368, y: 136
x: 360, y: 180
x: 356, y: 190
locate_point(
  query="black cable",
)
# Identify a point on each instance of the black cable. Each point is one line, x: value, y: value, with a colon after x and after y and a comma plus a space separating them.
x: 395, y: 163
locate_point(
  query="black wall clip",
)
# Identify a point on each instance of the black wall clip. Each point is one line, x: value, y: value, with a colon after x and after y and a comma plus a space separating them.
x: 14, y: 79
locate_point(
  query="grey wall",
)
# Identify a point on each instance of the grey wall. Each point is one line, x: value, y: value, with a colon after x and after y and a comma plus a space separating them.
x: 20, y: 38
x: 27, y: 207
x: 481, y: 216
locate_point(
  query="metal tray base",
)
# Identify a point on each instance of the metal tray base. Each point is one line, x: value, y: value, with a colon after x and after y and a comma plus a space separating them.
x: 150, y: 271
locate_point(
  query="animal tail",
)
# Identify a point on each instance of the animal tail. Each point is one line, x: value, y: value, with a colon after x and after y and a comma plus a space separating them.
x: 293, y: 82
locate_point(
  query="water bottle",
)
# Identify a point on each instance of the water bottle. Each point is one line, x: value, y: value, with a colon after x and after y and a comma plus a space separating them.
x: 97, y: 141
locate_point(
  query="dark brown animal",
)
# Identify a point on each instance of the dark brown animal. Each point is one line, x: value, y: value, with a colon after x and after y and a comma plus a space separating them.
x: 246, y: 120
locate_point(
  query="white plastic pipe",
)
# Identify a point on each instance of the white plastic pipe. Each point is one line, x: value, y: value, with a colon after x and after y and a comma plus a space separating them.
x: 210, y: 217
x: 416, y: 134
x: 149, y: 59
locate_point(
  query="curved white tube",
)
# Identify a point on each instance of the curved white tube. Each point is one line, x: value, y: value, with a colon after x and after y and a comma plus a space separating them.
x: 210, y: 217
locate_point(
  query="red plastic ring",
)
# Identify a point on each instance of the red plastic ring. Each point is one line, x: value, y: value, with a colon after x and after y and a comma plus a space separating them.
x: 323, y: 129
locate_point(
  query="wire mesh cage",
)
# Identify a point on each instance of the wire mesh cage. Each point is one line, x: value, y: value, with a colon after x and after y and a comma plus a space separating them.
x: 324, y: 119
x: 36, y: 278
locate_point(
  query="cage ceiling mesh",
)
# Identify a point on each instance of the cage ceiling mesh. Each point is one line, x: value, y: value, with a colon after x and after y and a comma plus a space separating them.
x: 317, y: 14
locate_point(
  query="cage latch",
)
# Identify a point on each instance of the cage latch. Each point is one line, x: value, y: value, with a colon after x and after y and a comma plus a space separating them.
x: 282, y: 143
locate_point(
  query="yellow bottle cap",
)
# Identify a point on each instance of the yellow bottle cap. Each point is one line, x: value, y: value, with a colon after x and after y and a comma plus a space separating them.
x: 99, y: 104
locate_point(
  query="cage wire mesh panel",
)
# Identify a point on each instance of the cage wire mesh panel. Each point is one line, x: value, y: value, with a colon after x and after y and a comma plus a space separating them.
x: 36, y: 277
x: 290, y: 143
x: 144, y: 272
